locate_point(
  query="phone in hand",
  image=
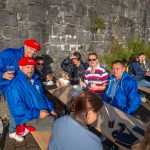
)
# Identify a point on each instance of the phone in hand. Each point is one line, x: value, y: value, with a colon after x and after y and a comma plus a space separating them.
x: 139, y: 130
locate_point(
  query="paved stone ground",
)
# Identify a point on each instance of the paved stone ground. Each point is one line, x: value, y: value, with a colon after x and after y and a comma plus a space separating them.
x: 30, y: 144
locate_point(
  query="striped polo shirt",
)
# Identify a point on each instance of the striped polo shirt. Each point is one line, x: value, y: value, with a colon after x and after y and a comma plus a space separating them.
x: 100, y: 77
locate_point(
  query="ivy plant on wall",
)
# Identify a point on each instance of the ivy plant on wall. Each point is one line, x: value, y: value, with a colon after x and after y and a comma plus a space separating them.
x: 98, y: 23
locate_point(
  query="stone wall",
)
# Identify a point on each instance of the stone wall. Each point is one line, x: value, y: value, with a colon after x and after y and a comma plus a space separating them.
x: 64, y: 26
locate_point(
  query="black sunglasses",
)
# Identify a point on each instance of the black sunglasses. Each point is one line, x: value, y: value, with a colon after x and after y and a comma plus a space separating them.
x: 92, y: 59
x: 41, y: 64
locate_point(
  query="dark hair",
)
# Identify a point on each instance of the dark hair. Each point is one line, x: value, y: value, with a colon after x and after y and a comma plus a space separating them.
x: 78, y: 55
x: 39, y: 58
x: 133, y: 58
x: 84, y: 102
x: 141, y: 54
x: 93, y: 54
x: 118, y: 61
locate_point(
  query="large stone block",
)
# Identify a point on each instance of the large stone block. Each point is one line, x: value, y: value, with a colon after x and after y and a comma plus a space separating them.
x: 65, y: 11
x: 8, y: 18
x: 2, y: 5
x: 56, y: 48
x: 51, y: 14
x: 73, y: 20
x: 80, y: 11
x: 16, y: 6
x: 36, y: 1
x: 57, y: 40
x: 70, y: 30
x: 37, y: 15
x: 56, y: 2
x: 84, y: 37
x: 86, y: 23
x: 71, y: 39
x: 57, y: 29
x: 21, y: 16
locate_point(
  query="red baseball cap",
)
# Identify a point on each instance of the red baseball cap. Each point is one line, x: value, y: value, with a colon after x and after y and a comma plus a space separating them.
x: 32, y: 43
x: 27, y: 61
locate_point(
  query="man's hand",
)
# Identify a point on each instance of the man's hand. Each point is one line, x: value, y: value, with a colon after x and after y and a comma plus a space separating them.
x: 92, y: 85
x: 53, y: 113
x: 9, y: 75
x: 82, y: 83
x: 43, y: 113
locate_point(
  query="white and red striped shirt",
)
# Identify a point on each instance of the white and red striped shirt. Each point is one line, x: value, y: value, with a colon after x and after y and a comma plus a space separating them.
x: 100, y: 78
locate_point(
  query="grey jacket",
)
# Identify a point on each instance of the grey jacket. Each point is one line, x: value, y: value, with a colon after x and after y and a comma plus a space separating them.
x: 68, y: 134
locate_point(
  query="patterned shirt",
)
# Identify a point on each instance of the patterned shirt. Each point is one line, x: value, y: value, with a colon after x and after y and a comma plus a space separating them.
x: 100, y: 78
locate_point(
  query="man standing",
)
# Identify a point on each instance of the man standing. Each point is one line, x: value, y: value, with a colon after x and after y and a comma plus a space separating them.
x: 24, y: 95
x: 96, y: 77
x: 8, y: 69
x: 122, y: 91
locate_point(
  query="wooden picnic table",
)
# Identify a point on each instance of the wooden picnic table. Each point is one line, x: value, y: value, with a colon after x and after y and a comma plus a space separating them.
x: 64, y: 95
x: 144, y: 89
x: 42, y: 138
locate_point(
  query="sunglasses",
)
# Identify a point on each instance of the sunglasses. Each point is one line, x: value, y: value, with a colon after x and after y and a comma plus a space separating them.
x: 41, y: 64
x: 94, y: 59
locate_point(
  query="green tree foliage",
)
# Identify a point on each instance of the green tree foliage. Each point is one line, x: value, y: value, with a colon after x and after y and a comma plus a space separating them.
x: 119, y: 52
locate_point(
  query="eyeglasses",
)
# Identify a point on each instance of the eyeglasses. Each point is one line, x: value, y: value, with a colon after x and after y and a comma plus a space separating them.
x: 41, y: 64
x: 94, y: 59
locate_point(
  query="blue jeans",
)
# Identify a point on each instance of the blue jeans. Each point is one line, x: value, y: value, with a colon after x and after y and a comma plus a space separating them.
x: 12, y: 124
x: 144, y: 83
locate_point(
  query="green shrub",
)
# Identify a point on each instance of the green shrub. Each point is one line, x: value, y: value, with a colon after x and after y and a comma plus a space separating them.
x: 119, y: 52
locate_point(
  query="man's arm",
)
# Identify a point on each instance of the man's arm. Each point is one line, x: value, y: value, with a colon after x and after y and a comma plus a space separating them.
x: 133, y: 100
x: 18, y: 108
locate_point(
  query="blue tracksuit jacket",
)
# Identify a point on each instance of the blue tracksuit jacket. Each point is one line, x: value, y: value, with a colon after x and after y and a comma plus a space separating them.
x: 25, y: 99
x: 125, y: 96
x: 9, y: 57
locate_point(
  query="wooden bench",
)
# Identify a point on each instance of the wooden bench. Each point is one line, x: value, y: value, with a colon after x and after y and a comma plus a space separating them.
x: 144, y: 89
x: 42, y: 138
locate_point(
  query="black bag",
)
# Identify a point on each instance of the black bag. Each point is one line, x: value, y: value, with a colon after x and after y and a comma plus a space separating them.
x: 122, y: 138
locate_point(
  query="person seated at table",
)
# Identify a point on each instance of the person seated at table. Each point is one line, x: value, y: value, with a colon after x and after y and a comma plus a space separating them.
x: 137, y: 73
x: 96, y: 78
x: 145, y: 65
x: 145, y: 143
x: 39, y: 68
x: 122, y: 91
x: 45, y: 74
x: 71, y: 133
x: 25, y: 98
x: 74, y: 67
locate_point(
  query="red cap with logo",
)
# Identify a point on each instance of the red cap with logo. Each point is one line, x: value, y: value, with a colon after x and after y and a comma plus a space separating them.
x: 27, y: 61
x: 32, y: 43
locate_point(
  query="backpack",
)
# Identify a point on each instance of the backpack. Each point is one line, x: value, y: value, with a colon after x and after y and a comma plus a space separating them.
x: 122, y: 138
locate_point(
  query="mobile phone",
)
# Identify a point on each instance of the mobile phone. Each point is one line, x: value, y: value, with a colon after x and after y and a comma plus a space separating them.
x: 139, y: 130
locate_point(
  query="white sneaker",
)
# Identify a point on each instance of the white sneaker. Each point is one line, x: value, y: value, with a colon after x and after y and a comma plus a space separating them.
x: 16, y: 137
x: 25, y: 132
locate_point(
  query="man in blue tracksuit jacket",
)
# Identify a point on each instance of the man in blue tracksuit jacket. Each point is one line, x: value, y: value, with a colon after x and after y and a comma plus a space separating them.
x: 24, y: 94
x: 122, y: 91
x: 10, y: 57
x: 8, y: 69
